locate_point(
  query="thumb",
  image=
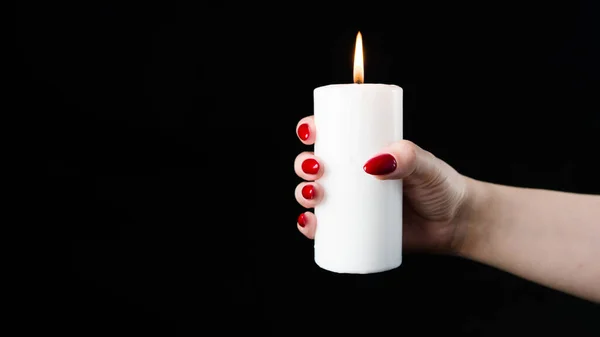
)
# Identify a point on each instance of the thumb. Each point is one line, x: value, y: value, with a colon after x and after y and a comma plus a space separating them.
x: 403, y: 160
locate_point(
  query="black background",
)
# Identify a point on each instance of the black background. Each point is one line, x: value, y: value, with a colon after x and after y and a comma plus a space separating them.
x: 167, y: 150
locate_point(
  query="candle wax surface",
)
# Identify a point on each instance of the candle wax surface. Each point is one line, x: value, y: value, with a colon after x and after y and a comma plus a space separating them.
x: 359, y: 220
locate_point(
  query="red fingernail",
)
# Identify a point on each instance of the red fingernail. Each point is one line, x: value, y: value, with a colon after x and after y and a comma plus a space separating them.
x: 310, y: 166
x: 308, y: 191
x: 303, y: 131
x: 382, y: 164
x: 302, y: 220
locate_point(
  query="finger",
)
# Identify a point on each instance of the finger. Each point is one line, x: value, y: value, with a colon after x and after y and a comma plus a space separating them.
x: 307, y: 224
x: 309, y: 194
x: 402, y: 160
x: 307, y: 166
x: 305, y: 130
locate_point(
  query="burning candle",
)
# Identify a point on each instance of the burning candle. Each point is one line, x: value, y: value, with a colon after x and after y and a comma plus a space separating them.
x: 359, y: 220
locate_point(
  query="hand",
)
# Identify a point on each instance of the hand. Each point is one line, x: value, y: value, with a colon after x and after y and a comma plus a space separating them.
x: 435, y: 195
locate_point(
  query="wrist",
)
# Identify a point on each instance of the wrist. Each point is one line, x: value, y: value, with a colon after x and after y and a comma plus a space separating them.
x: 472, y: 219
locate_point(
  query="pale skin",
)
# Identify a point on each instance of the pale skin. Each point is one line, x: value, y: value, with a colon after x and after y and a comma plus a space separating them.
x: 548, y: 237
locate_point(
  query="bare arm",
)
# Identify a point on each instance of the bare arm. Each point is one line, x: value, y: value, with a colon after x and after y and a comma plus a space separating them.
x: 549, y: 237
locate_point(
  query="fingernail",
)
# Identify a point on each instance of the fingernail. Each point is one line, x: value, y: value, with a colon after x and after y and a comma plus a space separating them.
x: 302, y: 220
x: 308, y: 192
x: 303, y: 131
x: 380, y: 165
x: 310, y: 166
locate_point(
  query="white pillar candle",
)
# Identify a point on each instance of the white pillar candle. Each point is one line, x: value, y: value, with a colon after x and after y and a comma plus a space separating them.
x: 359, y: 219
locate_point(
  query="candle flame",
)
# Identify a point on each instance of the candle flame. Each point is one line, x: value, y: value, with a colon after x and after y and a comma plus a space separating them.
x: 359, y: 70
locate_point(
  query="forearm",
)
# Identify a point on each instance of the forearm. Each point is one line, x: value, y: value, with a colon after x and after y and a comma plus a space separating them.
x: 549, y: 237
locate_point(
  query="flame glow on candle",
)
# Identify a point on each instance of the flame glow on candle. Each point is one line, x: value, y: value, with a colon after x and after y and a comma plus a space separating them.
x: 359, y: 70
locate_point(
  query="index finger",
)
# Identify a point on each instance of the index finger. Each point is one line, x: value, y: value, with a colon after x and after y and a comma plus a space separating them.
x: 305, y: 130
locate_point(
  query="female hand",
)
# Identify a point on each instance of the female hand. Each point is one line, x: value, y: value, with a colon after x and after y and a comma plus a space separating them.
x: 435, y: 195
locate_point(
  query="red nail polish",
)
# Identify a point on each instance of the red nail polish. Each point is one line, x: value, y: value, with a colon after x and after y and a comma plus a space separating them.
x: 303, y: 131
x: 310, y: 166
x: 302, y: 220
x: 308, y: 192
x: 380, y: 165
